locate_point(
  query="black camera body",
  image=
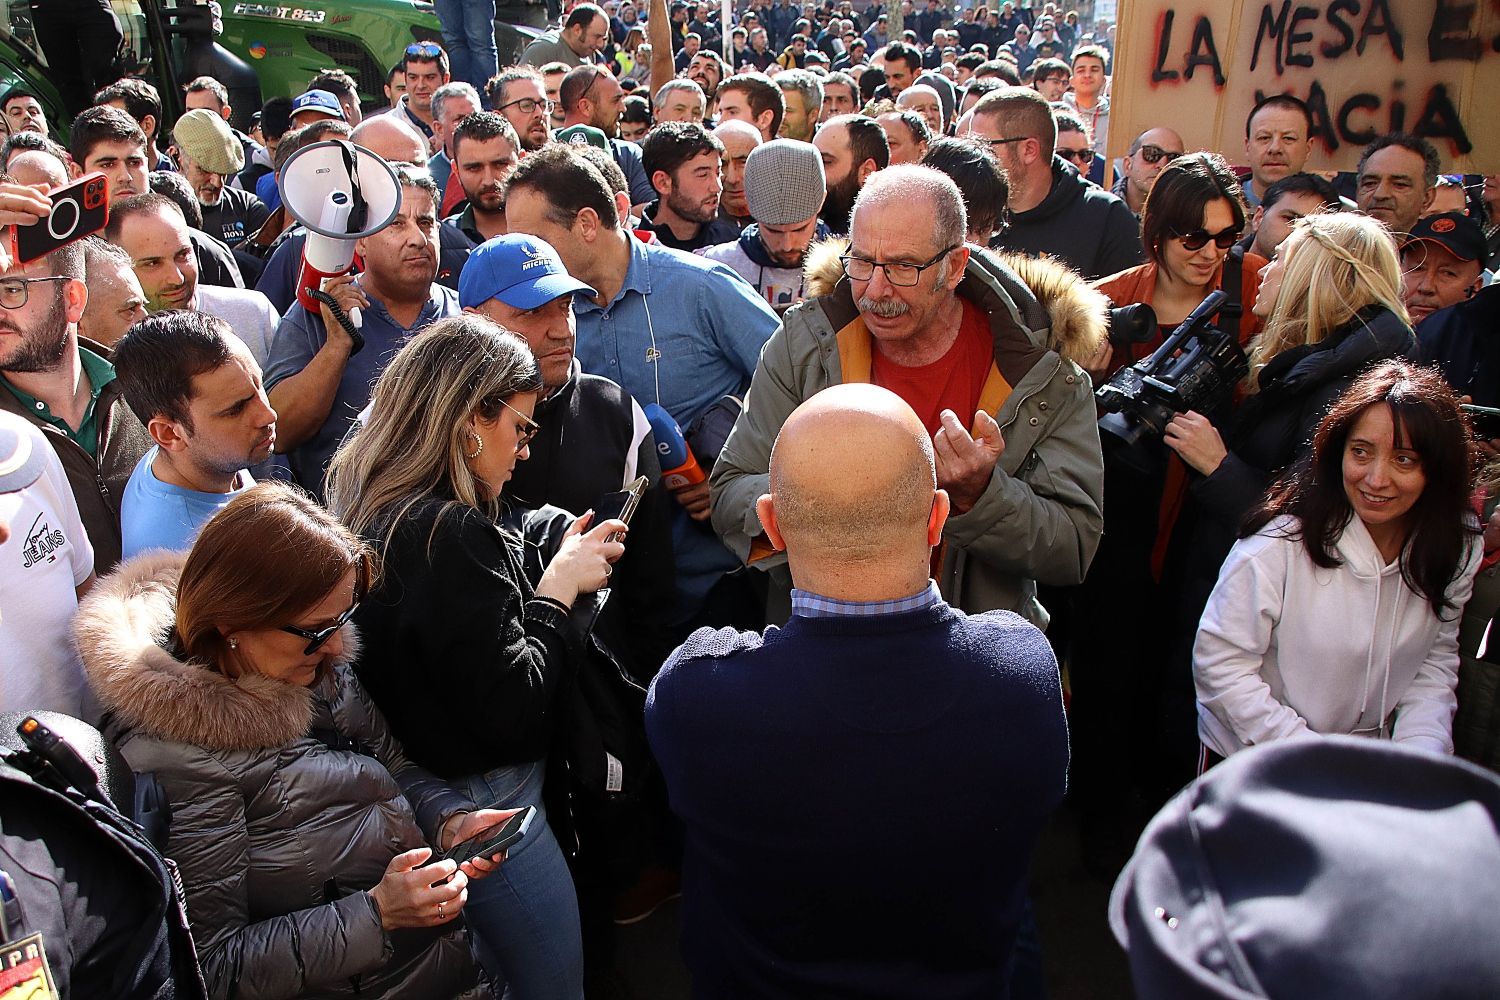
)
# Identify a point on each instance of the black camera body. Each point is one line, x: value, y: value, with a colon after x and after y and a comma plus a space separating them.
x: 1196, y: 368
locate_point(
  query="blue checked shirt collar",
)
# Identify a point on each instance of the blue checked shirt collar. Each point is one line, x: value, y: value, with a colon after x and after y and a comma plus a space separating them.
x: 810, y: 605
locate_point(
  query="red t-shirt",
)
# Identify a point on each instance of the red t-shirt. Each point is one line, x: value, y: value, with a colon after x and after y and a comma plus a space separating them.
x: 952, y: 382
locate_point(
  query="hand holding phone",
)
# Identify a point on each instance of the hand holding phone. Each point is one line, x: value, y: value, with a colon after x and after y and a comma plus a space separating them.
x: 79, y: 209
x: 1484, y: 419
x: 490, y: 841
x: 620, y: 506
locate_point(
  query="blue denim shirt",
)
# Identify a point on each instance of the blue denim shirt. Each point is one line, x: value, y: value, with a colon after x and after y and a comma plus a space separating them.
x: 682, y: 331
x: 301, y: 335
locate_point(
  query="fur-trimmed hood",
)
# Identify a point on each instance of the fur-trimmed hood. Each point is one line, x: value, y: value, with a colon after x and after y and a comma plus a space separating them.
x: 120, y: 629
x: 1077, y: 314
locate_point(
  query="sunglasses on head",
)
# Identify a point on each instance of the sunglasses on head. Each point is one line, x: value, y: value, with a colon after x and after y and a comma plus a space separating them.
x: 1155, y: 154
x: 424, y: 50
x: 1198, y: 238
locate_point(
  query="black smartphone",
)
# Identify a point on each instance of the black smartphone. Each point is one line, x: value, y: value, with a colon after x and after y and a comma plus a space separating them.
x: 1485, y: 420
x: 80, y: 209
x: 490, y: 841
x: 620, y: 505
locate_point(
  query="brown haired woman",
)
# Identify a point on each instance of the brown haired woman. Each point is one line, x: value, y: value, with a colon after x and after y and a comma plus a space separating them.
x: 297, y: 821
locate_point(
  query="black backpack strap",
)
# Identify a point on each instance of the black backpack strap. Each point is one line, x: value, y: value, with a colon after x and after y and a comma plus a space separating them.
x: 1233, y: 310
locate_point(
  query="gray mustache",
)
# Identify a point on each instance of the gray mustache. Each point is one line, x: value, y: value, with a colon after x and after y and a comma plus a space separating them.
x: 884, y: 308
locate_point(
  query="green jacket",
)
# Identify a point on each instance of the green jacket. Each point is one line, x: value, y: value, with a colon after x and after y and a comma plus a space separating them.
x: 1040, y: 518
x: 98, y: 483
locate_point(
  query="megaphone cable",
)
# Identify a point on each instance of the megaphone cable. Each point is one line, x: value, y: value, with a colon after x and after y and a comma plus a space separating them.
x: 342, y: 318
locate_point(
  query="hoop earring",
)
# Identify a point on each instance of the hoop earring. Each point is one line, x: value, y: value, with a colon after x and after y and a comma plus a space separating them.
x: 478, y: 450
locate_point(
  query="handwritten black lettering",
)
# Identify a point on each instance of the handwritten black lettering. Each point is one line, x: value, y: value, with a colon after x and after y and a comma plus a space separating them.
x: 1274, y: 27
x: 1378, y: 21
x: 1296, y: 37
x: 1451, y: 35
x: 1159, y: 72
x: 1359, y: 102
x: 1203, y: 52
x: 1336, y: 12
x: 1439, y: 120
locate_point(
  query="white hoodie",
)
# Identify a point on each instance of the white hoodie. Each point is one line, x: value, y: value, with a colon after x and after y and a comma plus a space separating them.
x: 1286, y: 647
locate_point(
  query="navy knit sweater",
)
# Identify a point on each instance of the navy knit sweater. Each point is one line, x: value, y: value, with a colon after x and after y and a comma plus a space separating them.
x: 861, y: 797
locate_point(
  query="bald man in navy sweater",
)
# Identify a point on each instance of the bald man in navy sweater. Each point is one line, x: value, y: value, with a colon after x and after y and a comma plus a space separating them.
x: 861, y: 788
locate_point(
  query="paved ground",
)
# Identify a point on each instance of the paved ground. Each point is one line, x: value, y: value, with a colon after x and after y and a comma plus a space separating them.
x: 1081, y: 957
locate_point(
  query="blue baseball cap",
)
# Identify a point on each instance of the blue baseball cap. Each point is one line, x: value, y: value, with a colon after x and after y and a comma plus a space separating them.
x: 521, y: 271
x: 318, y: 100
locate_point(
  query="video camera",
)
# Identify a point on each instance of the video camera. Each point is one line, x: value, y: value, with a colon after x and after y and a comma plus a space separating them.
x: 1194, y: 369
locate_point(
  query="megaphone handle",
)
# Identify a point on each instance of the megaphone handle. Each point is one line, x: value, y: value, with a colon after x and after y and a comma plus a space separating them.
x: 349, y: 321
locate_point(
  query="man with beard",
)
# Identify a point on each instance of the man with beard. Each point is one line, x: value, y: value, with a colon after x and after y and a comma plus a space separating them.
x: 518, y: 94
x: 66, y: 387
x: 784, y: 189
x: 209, y: 155
x: 151, y: 229
x: 590, y: 95
x: 683, y: 161
x: 972, y: 346
x: 485, y: 151
x: 193, y: 384
x: 707, y: 71
x: 739, y: 140
x: 852, y: 148
x: 318, y: 382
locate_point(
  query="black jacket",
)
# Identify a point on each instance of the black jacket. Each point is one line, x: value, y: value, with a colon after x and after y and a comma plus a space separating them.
x: 1080, y: 224
x: 454, y: 604
x: 710, y: 234
x: 103, y: 900
x: 594, y: 439
x: 1464, y: 342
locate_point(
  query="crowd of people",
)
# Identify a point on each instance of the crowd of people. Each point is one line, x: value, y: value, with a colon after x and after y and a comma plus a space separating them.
x: 803, y: 344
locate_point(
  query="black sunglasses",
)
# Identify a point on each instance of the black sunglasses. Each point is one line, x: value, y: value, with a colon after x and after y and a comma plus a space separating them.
x: 1082, y: 157
x: 1155, y: 154
x: 1195, y: 240
x: 316, y: 640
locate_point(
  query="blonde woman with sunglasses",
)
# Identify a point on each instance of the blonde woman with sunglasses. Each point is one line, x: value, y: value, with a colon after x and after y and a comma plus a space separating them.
x: 463, y: 656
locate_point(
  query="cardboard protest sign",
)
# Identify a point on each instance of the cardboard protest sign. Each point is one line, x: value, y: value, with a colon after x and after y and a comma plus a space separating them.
x: 1364, y: 67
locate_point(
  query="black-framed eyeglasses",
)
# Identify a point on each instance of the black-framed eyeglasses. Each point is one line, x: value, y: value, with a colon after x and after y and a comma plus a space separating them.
x: 528, y: 105
x: 1006, y: 142
x: 424, y: 50
x: 1198, y: 238
x: 532, y: 427
x: 1155, y: 154
x: 316, y: 640
x: 898, y: 273
x: 1082, y: 157
x: 15, y: 292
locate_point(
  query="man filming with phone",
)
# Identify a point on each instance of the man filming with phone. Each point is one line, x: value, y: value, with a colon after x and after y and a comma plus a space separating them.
x: 63, y: 385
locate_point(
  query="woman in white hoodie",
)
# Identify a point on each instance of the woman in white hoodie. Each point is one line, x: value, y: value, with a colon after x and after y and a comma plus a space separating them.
x: 1337, y: 610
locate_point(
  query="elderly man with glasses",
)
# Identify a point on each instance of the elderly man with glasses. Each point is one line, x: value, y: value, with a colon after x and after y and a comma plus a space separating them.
x: 986, y: 354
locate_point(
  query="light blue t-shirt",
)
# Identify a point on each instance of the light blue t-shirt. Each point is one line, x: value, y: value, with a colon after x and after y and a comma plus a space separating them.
x: 158, y: 515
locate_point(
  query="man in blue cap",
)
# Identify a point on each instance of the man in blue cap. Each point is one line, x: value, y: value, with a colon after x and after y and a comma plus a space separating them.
x: 315, y: 105
x: 594, y: 438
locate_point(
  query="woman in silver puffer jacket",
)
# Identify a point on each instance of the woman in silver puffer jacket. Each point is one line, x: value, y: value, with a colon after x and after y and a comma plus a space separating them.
x: 297, y: 822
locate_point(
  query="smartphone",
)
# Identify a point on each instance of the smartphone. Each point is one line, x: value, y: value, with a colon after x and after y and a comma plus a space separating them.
x: 1485, y: 419
x: 490, y: 841
x: 80, y: 209
x: 620, y: 506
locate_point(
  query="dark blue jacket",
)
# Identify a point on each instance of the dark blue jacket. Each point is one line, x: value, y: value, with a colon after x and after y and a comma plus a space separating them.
x: 1464, y: 342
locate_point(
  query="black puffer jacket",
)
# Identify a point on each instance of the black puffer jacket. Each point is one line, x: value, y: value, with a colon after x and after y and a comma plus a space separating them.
x: 1079, y: 223
x: 287, y: 805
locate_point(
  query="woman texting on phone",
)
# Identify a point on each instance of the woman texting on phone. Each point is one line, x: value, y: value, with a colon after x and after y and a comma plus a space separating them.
x: 299, y: 825
x: 1338, y: 609
x: 465, y: 657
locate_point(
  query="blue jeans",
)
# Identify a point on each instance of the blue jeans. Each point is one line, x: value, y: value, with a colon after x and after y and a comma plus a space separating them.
x: 469, y: 36
x: 524, y: 917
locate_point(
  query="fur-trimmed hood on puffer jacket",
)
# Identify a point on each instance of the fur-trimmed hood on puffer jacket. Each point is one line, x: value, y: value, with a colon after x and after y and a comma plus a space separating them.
x: 1040, y: 516
x: 287, y: 803
x: 1074, y: 314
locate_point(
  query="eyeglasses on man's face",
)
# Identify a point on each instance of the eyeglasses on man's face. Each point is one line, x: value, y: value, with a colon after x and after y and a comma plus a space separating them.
x: 1083, y: 157
x: 16, y: 292
x: 899, y: 273
x: 528, y: 105
x: 1155, y: 154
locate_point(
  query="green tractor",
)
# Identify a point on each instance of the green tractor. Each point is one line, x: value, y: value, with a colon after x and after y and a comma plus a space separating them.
x: 257, y: 50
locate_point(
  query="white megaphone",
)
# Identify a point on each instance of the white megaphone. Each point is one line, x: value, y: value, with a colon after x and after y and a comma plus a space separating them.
x: 341, y: 192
